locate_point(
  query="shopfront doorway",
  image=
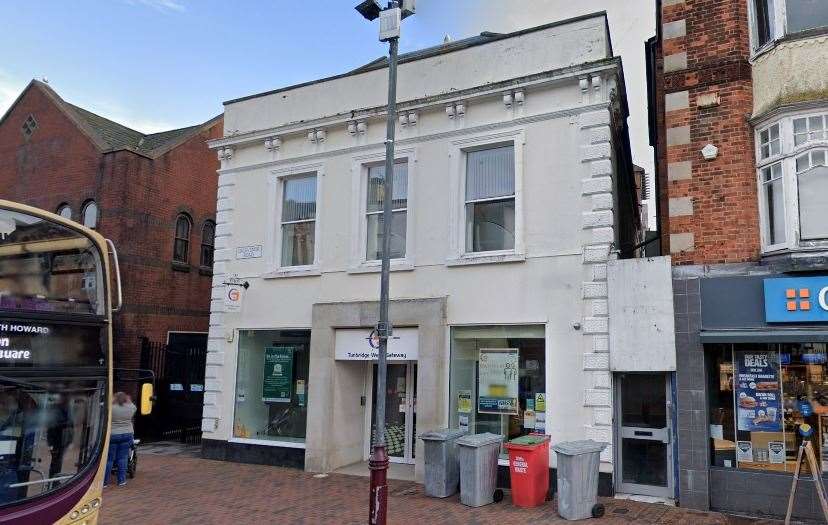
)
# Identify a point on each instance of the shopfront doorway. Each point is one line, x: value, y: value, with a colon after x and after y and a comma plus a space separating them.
x: 400, y: 410
x: 644, y: 450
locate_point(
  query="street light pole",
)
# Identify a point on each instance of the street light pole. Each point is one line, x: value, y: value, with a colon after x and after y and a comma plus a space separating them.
x: 378, y: 462
x: 390, y: 21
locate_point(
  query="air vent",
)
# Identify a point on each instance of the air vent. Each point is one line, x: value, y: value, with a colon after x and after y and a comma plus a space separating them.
x: 29, y: 126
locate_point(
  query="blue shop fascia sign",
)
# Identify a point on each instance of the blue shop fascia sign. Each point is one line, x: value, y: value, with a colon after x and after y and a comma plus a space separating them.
x: 796, y: 300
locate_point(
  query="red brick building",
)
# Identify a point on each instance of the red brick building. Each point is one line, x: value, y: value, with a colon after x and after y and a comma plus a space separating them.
x: 739, y: 121
x: 151, y: 194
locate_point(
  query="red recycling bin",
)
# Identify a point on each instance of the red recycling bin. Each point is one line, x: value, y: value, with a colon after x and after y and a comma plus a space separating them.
x: 529, y: 469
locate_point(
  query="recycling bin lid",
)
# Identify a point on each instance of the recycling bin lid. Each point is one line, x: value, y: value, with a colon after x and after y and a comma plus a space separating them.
x: 576, y: 448
x: 479, y: 440
x: 527, y: 442
x: 442, y: 434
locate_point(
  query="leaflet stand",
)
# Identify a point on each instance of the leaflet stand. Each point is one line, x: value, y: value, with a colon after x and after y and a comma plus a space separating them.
x: 808, y: 451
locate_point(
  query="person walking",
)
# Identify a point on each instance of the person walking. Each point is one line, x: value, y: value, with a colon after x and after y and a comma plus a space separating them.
x: 121, y: 437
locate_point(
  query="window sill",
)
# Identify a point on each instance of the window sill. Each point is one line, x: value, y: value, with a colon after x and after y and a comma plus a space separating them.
x: 293, y: 271
x: 397, y: 265
x: 205, y: 270
x: 486, y: 258
x: 802, y: 259
x: 180, y: 266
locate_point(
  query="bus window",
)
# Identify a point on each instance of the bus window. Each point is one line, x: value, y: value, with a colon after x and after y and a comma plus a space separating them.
x: 47, y: 267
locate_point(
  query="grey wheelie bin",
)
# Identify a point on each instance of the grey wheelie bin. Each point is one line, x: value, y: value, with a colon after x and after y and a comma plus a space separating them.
x: 478, y: 468
x: 442, y: 469
x: 578, y: 463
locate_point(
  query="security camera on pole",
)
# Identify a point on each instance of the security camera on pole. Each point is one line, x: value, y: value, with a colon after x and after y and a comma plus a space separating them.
x: 390, y: 19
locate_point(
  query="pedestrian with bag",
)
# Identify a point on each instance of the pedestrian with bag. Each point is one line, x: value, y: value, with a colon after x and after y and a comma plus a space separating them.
x: 120, y: 437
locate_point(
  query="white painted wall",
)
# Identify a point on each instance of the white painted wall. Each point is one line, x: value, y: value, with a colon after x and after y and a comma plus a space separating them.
x: 642, y: 331
x: 557, y: 277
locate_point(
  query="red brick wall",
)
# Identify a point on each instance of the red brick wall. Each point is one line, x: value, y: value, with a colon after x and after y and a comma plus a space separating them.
x: 725, y: 220
x: 139, y: 200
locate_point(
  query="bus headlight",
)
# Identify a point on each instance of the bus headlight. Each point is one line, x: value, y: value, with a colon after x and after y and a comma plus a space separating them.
x: 95, y: 503
x: 85, y: 509
x: 74, y: 515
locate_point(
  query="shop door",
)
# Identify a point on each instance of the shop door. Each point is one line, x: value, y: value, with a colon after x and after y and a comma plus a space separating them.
x: 644, y: 425
x: 400, y: 410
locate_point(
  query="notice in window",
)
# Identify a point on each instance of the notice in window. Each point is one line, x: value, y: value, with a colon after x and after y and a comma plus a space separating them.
x: 757, y: 391
x: 278, y: 374
x: 498, y: 381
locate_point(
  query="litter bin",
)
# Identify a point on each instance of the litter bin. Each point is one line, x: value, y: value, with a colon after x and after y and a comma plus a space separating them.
x: 529, y: 469
x: 442, y: 470
x: 478, y: 468
x: 578, y: 463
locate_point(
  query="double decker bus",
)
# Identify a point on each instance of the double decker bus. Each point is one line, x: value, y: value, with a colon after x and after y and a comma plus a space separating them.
x: 55, y: 366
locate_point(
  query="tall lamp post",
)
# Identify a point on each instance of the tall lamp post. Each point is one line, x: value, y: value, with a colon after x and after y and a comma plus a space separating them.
x: 390, y: 19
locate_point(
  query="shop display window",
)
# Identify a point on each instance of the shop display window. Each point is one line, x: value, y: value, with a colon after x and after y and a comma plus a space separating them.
x: 760, y: 395
x: 272, y: 385
x: 498, y: 379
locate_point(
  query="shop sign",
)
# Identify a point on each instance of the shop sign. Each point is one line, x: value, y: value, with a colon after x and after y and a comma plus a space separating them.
x: 249, y: 252
x: 355, y: 345
x: 233, y: 297
x: 757, y: 391
x: 278, y: 374
x: 498, y: 381
x: 796, y: 300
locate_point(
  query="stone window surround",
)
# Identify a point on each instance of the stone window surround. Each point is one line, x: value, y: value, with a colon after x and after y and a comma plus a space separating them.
x: 457, y: 171
x: 359, y: 178
x: 780, y: 30
x: 787, y: 157
x: 273, y: 239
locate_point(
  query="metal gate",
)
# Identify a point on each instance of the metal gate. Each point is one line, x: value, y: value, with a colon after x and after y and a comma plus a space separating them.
x: 179, y: 391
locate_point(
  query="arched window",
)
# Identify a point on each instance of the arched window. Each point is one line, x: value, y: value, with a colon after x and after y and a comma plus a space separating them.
x: 65, y: 211
x: 208, y: 238
x: 181, y: 248
x: 90, y: 214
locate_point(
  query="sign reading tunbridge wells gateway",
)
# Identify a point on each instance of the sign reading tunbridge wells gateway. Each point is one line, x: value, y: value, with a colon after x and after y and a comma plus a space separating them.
x: 796, y: 300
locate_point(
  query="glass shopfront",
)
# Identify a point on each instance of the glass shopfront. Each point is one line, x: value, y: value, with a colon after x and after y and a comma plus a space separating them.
x: 498, y: 379
x: 272, y: 385
x: 761, y: 397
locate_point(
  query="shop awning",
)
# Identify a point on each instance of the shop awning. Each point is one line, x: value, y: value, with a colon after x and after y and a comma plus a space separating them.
x: 764, y: 336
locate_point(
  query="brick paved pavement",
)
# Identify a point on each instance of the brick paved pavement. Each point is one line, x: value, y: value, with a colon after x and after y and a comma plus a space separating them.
x: 180, y: 490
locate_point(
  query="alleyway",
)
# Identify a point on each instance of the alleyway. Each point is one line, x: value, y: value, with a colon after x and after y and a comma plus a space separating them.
x: 182, y: 490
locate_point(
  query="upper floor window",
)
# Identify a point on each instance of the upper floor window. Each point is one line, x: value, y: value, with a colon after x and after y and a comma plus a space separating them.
x: 793, y: 183
x: 374, y: 209
x: 65, y: 211
x: 208, y: 239
x: 298, y: 220
x: 773, y: 19
x: 807, y: 129
x: 806, y: 14
x: 90, y: 214
x: 812, y: 181
x: 181, y: 247
x: 769, y: 141
x: 490, y: 199
x: 764, y: 15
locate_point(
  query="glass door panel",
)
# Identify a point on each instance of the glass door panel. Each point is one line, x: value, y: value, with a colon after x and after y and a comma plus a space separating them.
x: 396, y: 408
x: 645, y: 434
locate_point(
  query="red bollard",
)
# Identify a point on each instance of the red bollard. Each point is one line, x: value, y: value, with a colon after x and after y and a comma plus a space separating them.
x: 378, y: 465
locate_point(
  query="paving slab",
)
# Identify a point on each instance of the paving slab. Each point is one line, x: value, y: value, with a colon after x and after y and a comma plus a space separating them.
x: 182, y: 490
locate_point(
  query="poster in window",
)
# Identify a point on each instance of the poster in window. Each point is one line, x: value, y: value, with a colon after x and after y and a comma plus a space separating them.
x: 757, y: 391
x: 498, y: 381
x: 277, y: 382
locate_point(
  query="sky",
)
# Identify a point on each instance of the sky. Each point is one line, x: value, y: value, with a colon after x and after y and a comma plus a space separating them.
x: 155, y: 65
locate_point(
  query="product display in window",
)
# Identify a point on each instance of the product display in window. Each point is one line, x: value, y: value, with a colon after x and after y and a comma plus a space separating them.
x: 776, y: 389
